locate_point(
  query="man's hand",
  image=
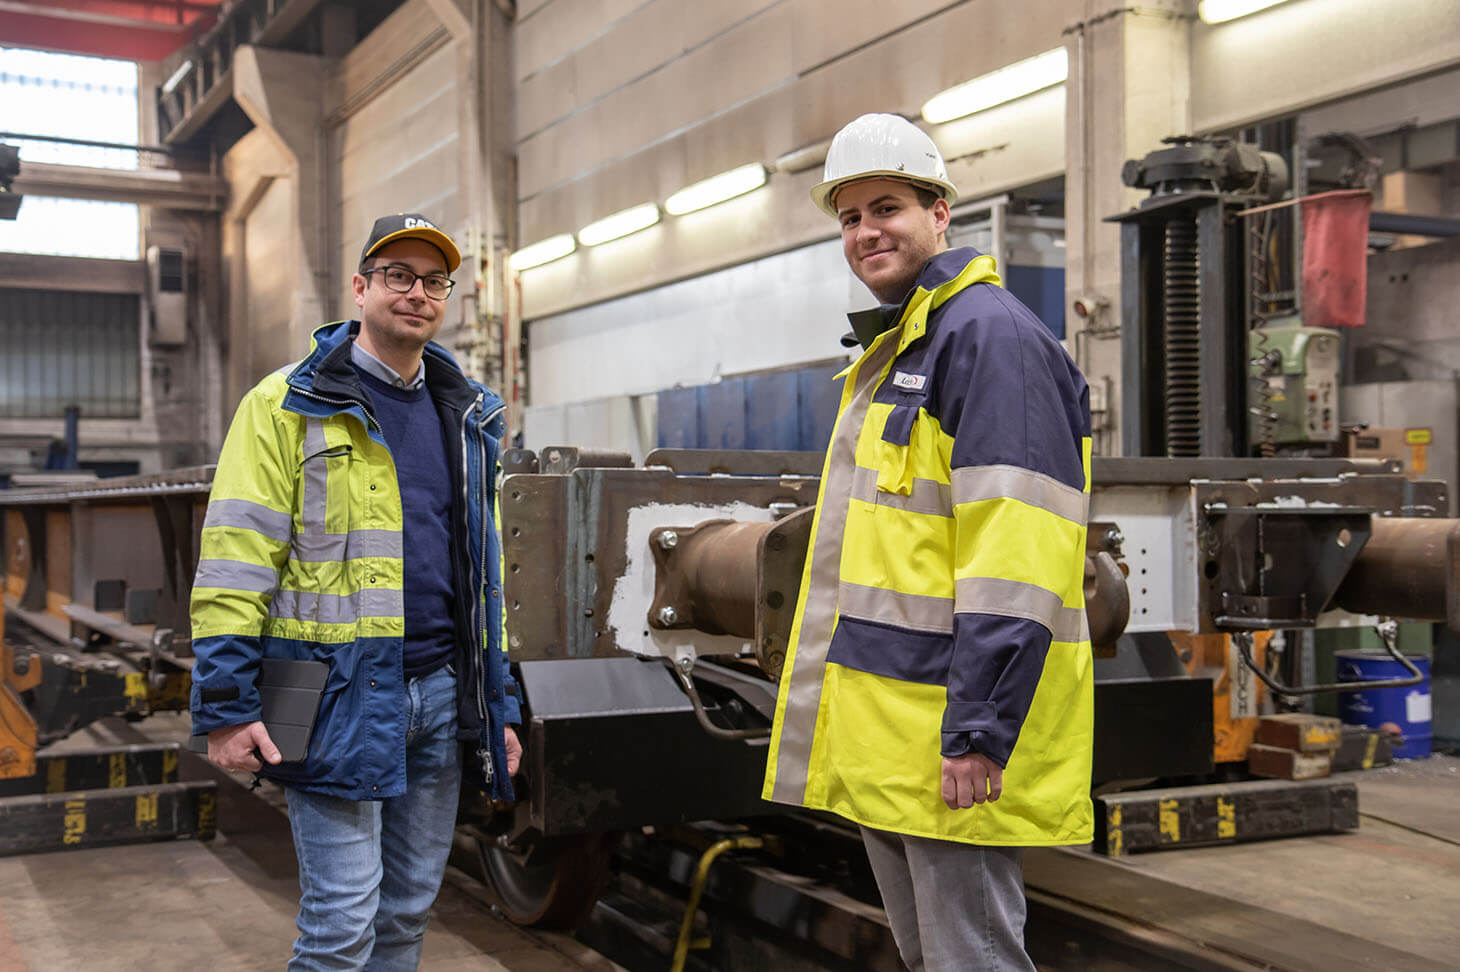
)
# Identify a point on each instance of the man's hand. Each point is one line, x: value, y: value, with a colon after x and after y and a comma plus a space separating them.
x: 970, y: 779
x: 232, y: 747
x: 514, y: 750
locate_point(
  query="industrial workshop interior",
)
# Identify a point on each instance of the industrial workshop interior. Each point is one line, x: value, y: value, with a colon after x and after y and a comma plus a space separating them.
x: 931, y: 484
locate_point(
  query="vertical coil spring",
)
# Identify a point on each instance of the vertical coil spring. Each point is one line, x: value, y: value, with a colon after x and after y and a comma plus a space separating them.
x: 1262, y: 361
x: 1183, y: 340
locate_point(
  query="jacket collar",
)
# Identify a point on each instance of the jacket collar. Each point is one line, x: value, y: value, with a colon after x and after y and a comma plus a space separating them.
x: 328, y: 370
x: 941, y: 270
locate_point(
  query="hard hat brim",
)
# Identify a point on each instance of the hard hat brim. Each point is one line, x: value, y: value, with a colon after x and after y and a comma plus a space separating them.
x: 823, y: 193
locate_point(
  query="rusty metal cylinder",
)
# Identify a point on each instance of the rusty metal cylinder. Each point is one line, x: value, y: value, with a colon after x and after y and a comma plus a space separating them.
x: 717, y: 565
x: 1407, y: 569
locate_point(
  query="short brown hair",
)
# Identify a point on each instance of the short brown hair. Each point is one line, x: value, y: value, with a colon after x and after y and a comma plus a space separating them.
x: 925, y: 195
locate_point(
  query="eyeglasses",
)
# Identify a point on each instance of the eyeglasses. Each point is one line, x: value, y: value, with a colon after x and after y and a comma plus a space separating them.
x: 435, y: 285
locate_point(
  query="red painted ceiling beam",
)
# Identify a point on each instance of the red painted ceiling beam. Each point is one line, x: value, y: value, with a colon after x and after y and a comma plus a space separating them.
x: 139, y: 42
x: 171, y: 12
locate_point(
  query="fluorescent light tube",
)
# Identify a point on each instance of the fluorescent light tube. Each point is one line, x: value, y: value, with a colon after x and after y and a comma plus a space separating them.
x: 1217, y: 11
x: 543, y: 251
x: 1007, y: 83
x: 621, y: 223
x: 716, y: 189
x: 177, y: 76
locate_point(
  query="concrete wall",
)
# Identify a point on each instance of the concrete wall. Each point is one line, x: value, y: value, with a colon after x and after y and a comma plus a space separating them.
x: 393, y: 138
x: 625, y: 101
x: 622, y: 102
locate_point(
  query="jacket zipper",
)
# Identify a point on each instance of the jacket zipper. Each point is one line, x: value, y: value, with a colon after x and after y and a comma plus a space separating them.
x: 345, y: 402
x: 478, y: 672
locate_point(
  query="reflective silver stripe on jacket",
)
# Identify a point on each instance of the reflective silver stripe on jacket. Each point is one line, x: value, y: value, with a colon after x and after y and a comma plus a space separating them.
x: 818, y: 619
x: 316, y: 478
x: 371, y: 602
x: 927, y: 495
x: 1015, y: 599
x: 236, y: 575
x: 974, y: 483
x: 248, y: 515
x: 916, y: 612
x: 335, y: 547
x: 313, y: 544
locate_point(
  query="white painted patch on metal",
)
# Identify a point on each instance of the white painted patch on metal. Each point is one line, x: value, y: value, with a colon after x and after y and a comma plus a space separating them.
x: 633, y: 591
x: 1159, y: 547
x: 1243, y: 695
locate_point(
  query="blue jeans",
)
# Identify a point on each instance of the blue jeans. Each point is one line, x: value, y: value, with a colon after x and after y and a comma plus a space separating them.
x: 369, y: 870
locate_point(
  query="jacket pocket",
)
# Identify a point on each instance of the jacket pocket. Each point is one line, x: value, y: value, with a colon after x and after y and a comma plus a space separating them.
x: 894, y: 460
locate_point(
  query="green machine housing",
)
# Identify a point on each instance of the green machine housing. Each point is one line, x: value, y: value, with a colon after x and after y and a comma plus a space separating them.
x: 1294, y: 373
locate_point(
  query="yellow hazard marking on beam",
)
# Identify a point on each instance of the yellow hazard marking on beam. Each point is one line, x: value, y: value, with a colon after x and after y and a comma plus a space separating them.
x: 1226, y: 818
x: 116, y: 770
x: 1115, y: 839
x: 1170, y: 821
x: 1369, y: 749
x: 207, y: 814
x: 134, y: 687
x: 56, y: 776
x: 147, y: 811
x: 74, y: 822
x: 169, y: 766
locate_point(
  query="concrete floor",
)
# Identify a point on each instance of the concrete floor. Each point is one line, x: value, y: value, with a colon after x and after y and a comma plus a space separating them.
x: 1382, y: 897
x: 225, y: 905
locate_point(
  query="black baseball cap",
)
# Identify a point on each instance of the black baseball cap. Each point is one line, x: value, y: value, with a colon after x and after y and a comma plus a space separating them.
x: 410, y: 226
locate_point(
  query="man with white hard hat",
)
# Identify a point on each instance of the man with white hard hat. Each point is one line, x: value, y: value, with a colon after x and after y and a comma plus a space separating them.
x: 937, y: 689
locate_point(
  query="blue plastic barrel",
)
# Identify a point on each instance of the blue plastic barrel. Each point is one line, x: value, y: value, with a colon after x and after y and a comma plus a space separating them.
x: 1408, y: 707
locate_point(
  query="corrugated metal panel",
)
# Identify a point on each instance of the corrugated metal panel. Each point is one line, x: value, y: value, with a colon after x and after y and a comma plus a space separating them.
x: 69, y: 348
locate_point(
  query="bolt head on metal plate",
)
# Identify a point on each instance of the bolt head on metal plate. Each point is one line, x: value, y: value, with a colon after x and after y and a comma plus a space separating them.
x: 668, y: 540
x: 667, y: 615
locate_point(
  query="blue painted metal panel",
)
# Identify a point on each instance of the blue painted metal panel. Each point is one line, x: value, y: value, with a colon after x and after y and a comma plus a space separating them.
x: 722, y: 415
x: 819, y: 393
x: 679, y: 418
x: 1042, y: 289
x: 772, y: 416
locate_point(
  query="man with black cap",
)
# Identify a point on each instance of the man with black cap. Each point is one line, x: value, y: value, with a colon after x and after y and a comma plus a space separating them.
x: 351, y: 522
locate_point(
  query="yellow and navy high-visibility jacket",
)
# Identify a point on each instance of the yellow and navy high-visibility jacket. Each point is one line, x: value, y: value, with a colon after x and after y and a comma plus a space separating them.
x: 941, y: 608
x: 302, y: 558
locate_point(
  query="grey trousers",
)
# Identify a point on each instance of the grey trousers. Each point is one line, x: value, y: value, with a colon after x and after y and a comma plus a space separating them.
x: 953, y: 907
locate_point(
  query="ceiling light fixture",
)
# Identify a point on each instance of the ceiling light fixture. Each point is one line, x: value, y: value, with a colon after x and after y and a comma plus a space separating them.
x: 1219, y: 11
x: 716, y: 189
x: 543, y: 251
x: 620, y: 224
x: 1007, y: 83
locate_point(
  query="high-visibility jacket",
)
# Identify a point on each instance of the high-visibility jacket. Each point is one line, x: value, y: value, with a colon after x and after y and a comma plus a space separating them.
x: 302, y: 558
x: 941, y: 609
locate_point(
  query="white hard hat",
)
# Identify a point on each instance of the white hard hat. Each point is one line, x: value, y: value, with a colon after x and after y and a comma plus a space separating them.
x: 881, y: 145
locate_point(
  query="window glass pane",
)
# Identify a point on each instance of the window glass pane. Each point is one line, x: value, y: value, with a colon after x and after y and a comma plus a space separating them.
x: 73, y: 227
x: 70, y: 96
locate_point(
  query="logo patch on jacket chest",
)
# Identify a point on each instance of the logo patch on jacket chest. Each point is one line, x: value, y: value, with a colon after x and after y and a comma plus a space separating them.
x: 911, y: 382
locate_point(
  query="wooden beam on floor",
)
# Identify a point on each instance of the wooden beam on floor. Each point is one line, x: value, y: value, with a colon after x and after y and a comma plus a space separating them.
x: 93, y: 818
x: 1222, y: 813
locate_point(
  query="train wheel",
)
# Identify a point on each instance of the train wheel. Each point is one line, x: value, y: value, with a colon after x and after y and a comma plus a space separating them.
x: 555, y: 884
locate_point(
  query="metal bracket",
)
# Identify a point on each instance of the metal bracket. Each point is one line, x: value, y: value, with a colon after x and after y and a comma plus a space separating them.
x: 682, y: 669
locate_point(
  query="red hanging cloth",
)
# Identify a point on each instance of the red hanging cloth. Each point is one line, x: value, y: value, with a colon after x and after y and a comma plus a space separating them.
x: 1336, y: 257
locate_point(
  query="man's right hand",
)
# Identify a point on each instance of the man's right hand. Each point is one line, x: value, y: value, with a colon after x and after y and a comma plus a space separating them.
x: 233, y: 747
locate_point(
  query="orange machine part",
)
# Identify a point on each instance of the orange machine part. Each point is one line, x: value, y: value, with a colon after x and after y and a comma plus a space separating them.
x: 1212, y: 656
x: 17, y: 727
